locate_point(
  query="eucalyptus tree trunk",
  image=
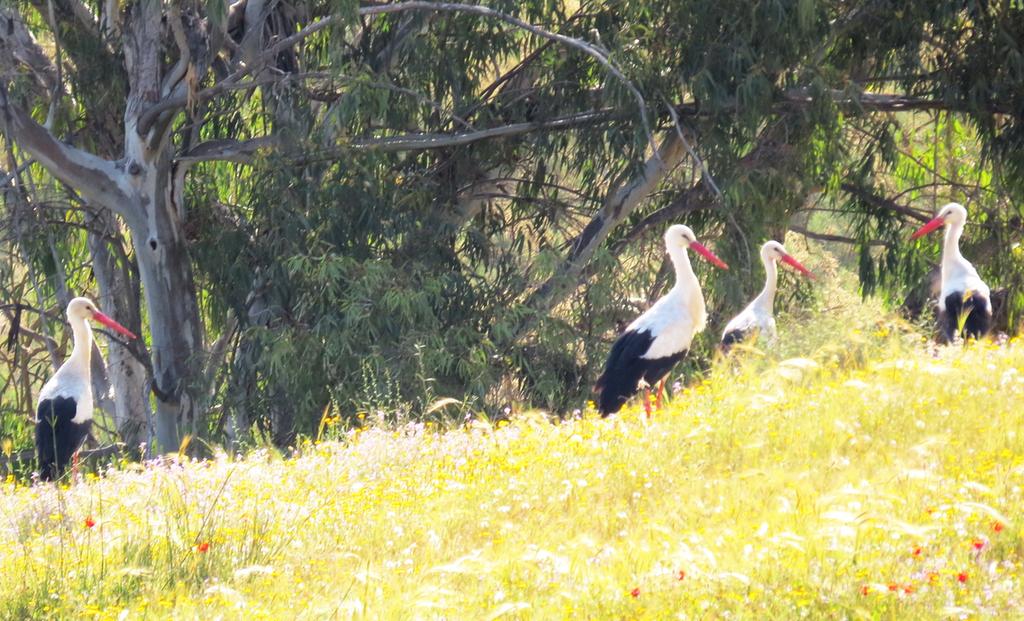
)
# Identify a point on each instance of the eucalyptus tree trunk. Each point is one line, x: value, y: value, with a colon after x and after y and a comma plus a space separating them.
x: 143, y: 189
x: 156, y: 221
x: 119, y: 296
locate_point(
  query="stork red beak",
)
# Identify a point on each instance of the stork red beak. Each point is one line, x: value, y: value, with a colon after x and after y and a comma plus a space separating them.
x: 928, y: 228
x: 110, y: 323
x: 788, y: 260
x: 707, y: 254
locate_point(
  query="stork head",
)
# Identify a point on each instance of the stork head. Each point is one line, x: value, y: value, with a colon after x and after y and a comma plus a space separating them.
x: 952, y: 213
x: 681, y: 237
x: 83, y: 309
x: 774, y: 251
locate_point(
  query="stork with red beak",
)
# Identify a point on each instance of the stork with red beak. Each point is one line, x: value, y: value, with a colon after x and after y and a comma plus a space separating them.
x: 64, y: 415
x: 758, y: 316
x: 965, y: 307
x: 659, y: 338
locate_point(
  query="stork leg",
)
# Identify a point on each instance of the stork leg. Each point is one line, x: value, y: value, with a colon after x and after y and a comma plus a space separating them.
x: 647, y: 401
x: 661, y: 389
x: 74, y: 467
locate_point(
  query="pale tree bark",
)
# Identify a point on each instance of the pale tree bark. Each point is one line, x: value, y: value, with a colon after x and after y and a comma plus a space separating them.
x: 140, y: 189
x: 621, y: 201
x: 119, y: 295
x: 128, y: 404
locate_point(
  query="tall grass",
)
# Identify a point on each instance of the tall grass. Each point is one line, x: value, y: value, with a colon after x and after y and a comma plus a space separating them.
x: 868, y: 476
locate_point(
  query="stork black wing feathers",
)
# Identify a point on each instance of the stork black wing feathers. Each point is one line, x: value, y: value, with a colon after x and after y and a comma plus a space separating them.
x: 623, y: 370
x: 57, y: 438
x: 731, y: 338
x: 973, y: 312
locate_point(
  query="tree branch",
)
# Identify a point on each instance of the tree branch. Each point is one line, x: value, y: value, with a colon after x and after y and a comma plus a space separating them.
x: 834, y: 238
x: 97, y: 179
x: 583, y: 46
x: 239, y: 151
x: 882, y: 202
x: 884, y: 102
x: 85, y: 16
x: 23, y: 49
x: 422, y: 142
x: 177, y: 72
x: 692, y: 199
x: 146, y: 120
x: 705, y: 173
x: 620, y: 203
x: 416, y: 142
x: 180, y: 97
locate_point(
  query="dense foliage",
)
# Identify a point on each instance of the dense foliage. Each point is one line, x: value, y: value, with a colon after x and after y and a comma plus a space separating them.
x: 440, y: 205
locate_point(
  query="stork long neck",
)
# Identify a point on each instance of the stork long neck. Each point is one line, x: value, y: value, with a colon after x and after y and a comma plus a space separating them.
x: 765, y: 301
x: 81, y: 354
x: 686, y: 280
x: 951, y: 246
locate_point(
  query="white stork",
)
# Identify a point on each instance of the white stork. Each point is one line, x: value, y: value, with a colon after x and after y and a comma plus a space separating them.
x: 965, y: 307
x: 659, y: 338
x: 758, y: 315
x: 64, y: 415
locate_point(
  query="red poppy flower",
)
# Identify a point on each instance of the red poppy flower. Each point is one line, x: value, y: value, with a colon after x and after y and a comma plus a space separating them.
x: 893, y: 586
x: 998, y: 526
x: 962, y: 576
x: 89, y: 522
x: 978, y: 544
x: 908, y: 588
x: 635, y: 592
x: 865, y: 589
x: 681, y: 575
x: 917, y: 551
x: 203, y: 547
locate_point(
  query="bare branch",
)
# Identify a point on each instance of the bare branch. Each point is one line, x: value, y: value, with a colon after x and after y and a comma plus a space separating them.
x: 882, y: 202
x: 177, y: 72
x: 425, y: 141
x: 239, y: 151
x: 110, y: 19
x: 420, y: 97
x: 58, y: 87
x: 23, y: 49
x: 692, y: 199
x: 705, y: 173
x: 835, y: 238
x: 884, y: 102
x: 254, y: 18
x: 42, y: 338
x: 8, y: 177
x: 97, y: 179
x: 419, y: 142
x: 169, y: 103
x: 180, y: 97
x: 579, y: 44
x: 85, y: 16
x: 412, y: 142
x: 621, y: 202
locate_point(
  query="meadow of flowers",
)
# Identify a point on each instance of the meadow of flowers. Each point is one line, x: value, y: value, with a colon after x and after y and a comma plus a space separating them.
x: 872, y: 477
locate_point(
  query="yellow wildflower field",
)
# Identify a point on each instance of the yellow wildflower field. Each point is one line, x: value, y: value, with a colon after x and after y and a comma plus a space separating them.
x: 874, y: 478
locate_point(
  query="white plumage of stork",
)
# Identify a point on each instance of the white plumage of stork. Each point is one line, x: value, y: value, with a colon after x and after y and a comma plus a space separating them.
x: 965, y: 305
x: 64, y: 414
x: 656, y: 340
x: 759, y: 315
